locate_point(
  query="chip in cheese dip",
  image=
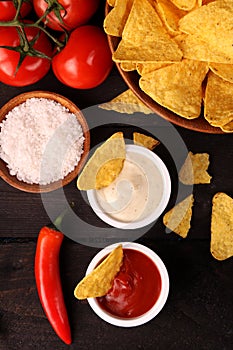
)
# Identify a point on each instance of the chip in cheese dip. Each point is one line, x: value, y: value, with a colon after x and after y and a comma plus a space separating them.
x: 138, y: 196
x: 135, y: 193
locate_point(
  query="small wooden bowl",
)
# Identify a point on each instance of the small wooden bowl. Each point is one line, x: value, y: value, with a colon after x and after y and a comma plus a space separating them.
x: 132, y: 80
x: 36, y: 188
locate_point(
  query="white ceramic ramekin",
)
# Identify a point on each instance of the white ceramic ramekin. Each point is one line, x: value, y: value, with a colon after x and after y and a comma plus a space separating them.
x: 155, y: 214
x: 156, y: 308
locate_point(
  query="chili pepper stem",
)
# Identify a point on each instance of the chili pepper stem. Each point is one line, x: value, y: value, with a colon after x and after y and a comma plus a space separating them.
x: 57, y: 223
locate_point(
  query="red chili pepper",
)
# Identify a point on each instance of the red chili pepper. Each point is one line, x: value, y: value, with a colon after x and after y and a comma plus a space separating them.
x: 48, y: 281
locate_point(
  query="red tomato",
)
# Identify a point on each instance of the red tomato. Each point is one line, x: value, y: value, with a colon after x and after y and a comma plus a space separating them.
x: 32, y: 69
x: 77, y: 12
x: 85, y: 61
x: 8, y: 10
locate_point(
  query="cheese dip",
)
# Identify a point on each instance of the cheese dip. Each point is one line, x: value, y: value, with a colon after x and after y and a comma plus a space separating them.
x: 135, y: 193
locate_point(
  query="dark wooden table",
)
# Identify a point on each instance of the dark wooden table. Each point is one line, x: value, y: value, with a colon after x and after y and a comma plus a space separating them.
x: 199, y: 310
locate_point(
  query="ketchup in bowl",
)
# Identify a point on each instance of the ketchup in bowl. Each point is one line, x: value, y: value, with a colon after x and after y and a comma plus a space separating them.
x: 136, y: 287
x: 139, y: 290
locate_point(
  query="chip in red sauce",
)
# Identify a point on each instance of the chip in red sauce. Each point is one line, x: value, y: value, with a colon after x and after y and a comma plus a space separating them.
x: 136, y: 288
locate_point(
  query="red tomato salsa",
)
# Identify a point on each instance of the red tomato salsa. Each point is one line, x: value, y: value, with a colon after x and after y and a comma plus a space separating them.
x: 136, y: 287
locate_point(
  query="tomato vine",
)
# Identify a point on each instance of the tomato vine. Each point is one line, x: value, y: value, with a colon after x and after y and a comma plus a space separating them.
x: 26, y: 47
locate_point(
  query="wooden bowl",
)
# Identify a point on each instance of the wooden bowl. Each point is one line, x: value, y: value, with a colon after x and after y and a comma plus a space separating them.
x: 132, y: 80
x: 36, y: 188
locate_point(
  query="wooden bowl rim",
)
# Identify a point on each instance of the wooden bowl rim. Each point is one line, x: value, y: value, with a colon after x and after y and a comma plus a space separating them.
x: 36, y: 188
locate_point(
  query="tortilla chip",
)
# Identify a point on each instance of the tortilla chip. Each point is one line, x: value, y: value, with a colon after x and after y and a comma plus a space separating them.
x: 111, y: 2
x: 179, y: 217
x: 145, y: 141
x: 100, y: 280
x: 224, y: 71
x: 164, y: 86
x: 110, y: 155
x: 205, y: 2
x: 194, y: 169
x: 108, y: 172
x: 115, y: 20
x: 193, y: 47
x: 217, y: 18
x: 150, y: 42
x: 128, y: 66
x: 185, y: 5
x: 227, y: 127
x: 218, y: 102
x: 144, y: 68
x: 221, y: 245
x: 170, y: 15
x: 127, y: 102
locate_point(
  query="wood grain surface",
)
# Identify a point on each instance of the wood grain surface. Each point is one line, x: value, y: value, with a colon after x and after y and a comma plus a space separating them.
x: 199, y: 311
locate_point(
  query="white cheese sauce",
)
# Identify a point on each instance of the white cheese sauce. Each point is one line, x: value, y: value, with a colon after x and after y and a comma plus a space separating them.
x: 135, y: 193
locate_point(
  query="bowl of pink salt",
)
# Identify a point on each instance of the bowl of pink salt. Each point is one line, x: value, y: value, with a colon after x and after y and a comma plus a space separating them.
x: 44, y: 141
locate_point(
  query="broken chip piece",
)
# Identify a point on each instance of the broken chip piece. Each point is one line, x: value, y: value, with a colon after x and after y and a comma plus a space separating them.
x: 145, y: 141
x: 127, y: 102
x: 179, y: 217
x: 194, y: 169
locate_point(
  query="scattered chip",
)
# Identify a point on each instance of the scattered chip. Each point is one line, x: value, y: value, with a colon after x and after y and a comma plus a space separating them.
x: 127, y: 102
x: 110, y: 155
x: 218, y: 102
x: 164, y: 86
x: 194, y: 169
x: 100, y: 280
x: 179, y: 217
x: 221, y: 245
x: 150, y: 42
x: 145, y: 141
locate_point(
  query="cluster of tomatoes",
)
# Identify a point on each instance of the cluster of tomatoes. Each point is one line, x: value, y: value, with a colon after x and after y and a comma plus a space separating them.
x: 29, y: 48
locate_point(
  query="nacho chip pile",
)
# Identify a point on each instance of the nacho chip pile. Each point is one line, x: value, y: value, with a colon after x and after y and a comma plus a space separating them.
x: 183, y: 51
